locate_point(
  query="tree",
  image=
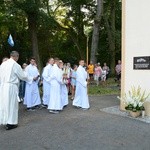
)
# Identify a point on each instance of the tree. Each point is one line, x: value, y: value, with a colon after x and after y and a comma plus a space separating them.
x: 31, y: 8
x: 110, y: 26
x: 96, y: 28
x: 44, y: 29
x: 74, y: 20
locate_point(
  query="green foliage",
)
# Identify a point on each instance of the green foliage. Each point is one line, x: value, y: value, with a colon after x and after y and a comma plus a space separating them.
x: 104, y: 51
x: 60, y: 31
x: 102, y: 91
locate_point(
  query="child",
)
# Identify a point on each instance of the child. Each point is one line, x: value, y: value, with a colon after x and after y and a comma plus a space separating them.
x: 73, y: 80
x: 103, y: 77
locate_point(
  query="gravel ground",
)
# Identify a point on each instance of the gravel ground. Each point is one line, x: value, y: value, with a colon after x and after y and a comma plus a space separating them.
x: 75, y: 129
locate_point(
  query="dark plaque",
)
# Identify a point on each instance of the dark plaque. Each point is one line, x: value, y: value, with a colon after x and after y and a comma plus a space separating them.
x: 141, y: 63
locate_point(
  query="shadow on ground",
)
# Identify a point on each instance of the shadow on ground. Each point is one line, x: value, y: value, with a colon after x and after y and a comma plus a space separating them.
x: 75, y: 129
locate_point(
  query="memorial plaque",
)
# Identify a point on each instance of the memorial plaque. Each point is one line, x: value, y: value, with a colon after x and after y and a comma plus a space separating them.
x: 141, y: 63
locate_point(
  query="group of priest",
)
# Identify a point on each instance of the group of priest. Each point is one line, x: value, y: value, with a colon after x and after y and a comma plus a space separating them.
x: 55, y: 92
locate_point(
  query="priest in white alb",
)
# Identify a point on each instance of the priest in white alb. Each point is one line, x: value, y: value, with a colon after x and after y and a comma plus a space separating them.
x: 55, y: 104
x: 81, y: 99
x: 32, y: 95
x: 3, y: 60
x: 46, y: 82
x: 10, y: 75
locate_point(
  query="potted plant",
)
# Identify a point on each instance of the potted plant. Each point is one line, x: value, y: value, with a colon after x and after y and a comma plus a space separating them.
x: 134, y: 101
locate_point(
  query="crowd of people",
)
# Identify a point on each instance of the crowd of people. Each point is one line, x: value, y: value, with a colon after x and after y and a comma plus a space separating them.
x: 58, y: 80
x: 98, y: 73
x: 101, y: 74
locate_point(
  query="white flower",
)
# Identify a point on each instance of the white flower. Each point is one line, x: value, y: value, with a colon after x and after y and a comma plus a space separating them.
x: 135, y: 104
x: 140, y: 104
x: 135, y: 97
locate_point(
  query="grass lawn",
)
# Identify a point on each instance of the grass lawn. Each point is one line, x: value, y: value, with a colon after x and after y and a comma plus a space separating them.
x: 110, y: 89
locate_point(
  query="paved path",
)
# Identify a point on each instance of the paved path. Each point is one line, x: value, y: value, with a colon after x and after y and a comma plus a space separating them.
x: 75, y: 129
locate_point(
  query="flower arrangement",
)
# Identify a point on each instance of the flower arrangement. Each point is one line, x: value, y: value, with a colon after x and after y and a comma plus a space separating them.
x: 135, y: 99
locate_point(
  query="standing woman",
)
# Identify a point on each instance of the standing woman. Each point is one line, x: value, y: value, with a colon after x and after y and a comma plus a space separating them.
x: 73, y: 80
x: 91, y: 71
x: 97, y: 73
x: 67, y: 70
x: 105, y: 67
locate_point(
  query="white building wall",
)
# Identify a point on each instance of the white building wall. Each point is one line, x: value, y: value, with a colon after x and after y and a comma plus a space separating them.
x: 136, y: 42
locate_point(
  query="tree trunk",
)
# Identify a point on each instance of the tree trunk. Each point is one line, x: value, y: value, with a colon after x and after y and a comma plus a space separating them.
x: 113, y: 51
x: 111, y: 35
x: 33, y: 33
x: 95, y: 36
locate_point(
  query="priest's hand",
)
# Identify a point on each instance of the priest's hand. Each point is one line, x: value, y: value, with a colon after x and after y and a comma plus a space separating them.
x: 35, y: 78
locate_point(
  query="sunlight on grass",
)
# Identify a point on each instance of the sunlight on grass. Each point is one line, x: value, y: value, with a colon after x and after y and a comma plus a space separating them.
x: 110, y: 89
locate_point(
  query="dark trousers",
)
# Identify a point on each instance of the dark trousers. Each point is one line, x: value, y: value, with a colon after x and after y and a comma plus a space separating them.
x: 22, y: 89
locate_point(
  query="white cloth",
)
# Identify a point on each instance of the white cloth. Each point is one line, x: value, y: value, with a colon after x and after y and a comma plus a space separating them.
x: 64, y: 91
x: 104, y: 73
x: 11, y: 74
x: 64, y: 95
x: 46, y: 84
x: 0, y: 73
x: 32, y: 96
x: 81, y: 97
x: 55, y: 93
